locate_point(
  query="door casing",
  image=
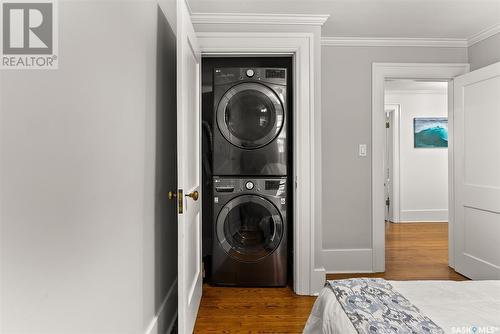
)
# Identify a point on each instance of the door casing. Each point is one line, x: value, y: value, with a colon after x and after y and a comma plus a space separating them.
x: 308, y: 275
x: 381, y: 72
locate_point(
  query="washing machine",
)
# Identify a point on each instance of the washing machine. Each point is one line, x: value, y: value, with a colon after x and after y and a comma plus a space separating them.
x: 250, y: 231
x: 250, y: 130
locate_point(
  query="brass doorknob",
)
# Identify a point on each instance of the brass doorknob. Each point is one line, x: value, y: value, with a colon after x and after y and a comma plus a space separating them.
x: 172, y: 195
x: 194, y: 195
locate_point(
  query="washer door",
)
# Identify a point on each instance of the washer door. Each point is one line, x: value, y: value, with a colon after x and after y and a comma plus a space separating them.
x: 249, y: 228
x: 250, y: 115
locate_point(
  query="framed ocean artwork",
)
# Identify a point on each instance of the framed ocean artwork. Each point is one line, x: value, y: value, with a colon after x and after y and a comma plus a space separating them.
x: 430, y: 132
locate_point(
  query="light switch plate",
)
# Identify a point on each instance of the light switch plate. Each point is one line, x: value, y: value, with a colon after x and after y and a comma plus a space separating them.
x: 362, y: 150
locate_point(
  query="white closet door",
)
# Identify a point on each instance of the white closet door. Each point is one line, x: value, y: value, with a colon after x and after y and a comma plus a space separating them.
x: 189, y: 169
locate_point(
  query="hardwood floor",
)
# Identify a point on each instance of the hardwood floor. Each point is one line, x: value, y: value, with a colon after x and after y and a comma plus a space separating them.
x: 252, y: 310
x: 413, y: 251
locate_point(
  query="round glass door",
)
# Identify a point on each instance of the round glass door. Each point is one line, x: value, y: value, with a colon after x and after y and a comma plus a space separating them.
x: 250, y: 115
x: 249, y: 228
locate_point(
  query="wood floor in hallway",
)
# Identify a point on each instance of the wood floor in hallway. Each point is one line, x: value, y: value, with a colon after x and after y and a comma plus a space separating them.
x: 414, y: 251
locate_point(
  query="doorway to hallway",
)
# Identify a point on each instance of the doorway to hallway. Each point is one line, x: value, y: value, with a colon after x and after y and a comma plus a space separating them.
x: 416, y: 177
x: 416, y: 151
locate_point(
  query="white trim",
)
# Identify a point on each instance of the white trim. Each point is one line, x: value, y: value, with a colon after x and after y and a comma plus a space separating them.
x: 251, y: 18
x: 307, y: 278
x: 398, y: 42
x: 318, y: 278
x: 347, y: 260
x: 153, y: 327
x: 381, y: 71
x: 424, y: 215
x: 484, y: 34
x: 421, y: 222
x: 420, y: 91
x: 412, y: 41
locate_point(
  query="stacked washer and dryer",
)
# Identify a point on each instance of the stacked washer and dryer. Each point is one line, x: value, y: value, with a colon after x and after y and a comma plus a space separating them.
x: 250, y: 177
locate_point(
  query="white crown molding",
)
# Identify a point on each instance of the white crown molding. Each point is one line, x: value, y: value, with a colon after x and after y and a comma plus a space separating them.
x: 247, y: 18
x: 374, y: 41
x: 482, y: 35
x: 421, y: 42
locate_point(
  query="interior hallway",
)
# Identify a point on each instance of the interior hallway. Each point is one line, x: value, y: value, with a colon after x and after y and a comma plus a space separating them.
x: 414, y: 251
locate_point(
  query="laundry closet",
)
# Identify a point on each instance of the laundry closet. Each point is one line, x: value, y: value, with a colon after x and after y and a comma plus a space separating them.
x: 247, y: 155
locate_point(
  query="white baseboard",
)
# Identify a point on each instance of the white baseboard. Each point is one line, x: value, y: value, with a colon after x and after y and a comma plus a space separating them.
x: 428, y: 215
x: 347, y: 260
x: 164, y: 321
x: 318, y: 280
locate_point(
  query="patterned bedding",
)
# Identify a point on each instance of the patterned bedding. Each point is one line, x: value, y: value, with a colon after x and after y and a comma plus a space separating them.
x: 373, y: 306
x: 453, y: 307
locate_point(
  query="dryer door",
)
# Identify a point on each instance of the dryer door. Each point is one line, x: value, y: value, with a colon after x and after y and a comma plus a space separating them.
x: 250, y: 115
x: 249, y: 228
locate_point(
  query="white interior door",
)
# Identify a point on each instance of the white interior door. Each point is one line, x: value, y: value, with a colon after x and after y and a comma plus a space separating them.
x: 477, y: 173
x: 189, y: 169
x: 391, y: 162
x: 388, y: 162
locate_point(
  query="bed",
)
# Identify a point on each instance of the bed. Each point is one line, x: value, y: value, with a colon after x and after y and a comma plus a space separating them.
x: 455, y: 307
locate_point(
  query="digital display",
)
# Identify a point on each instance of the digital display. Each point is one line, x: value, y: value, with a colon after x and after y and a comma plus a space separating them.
x: 224, y: 189
x: 272, y: 185
x: 275, y: 74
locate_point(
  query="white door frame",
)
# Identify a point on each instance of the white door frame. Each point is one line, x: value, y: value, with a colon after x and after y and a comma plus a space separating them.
x: 396, y: 110
x: 381, y: 72
x: 307, y: 191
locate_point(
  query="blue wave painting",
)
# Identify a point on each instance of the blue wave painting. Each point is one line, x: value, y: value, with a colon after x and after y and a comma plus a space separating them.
x: 430, y: 132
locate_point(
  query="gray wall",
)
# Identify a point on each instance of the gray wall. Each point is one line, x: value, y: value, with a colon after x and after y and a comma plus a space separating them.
x: 346, y: 123
x: 485, y: 52
x: 77, y: 169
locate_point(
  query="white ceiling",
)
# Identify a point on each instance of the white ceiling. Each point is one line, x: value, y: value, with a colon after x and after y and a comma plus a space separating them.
x: 376, y: 18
